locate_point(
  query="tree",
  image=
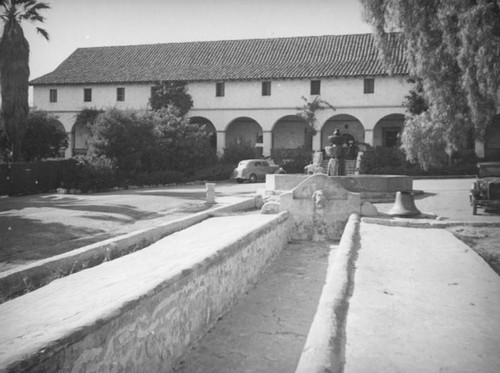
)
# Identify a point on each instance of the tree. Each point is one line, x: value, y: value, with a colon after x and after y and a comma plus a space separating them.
x: 14, y: 67
x: 45, y: 136
x: 453, y: 47
x: 423, y: 141
x: 184, y: 146
x: 126, y: 136
x: 166, y: 94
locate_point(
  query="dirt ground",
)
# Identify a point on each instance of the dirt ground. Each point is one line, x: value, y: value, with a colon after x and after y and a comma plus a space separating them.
x: 484, y: 240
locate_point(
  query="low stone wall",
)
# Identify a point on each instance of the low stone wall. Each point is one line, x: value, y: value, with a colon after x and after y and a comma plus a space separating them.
x: 373, y: 188
x: 324, y: 350
x: 135, y: 314
x: 23, y: 279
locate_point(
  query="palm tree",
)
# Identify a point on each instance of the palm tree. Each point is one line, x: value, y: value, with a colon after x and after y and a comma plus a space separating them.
x: 14, y: 66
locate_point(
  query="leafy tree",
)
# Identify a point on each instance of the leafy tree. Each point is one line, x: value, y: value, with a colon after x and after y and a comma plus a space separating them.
x: 5, y: 151
x: 165, y: 94
x: 87, y: 117
x: 126, y: 136
x: 183, y: 146
x: 415, y: 102
x: 45, y: 136
x: 453, y: 46
x: 423, y: 141
x: 236, y: 152
x: 14, y: 66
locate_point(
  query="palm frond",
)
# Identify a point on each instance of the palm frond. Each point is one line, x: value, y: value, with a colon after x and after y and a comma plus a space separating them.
x: 43, y: 32
x: 38, y: 6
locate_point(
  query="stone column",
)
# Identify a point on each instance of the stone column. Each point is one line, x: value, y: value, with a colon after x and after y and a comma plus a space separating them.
x: 267, y: 140
x: 369, y: 136
x: 316, y: 141
x: 221, y: 141
x: 69, y: 150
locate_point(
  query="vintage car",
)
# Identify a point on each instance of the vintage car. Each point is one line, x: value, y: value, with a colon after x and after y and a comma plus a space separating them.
x: 485, y: 191
x: 253, y: 170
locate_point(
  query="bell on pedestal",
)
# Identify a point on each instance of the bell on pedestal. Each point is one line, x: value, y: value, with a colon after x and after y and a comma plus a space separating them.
x: 404, y: 205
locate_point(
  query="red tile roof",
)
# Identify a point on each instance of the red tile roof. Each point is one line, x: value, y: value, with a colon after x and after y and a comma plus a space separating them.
x: 278, y: 58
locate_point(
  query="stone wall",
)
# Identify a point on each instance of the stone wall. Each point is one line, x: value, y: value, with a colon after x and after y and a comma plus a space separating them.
x: 151, y: 332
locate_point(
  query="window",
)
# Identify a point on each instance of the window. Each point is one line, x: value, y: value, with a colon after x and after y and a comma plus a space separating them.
x: 87, y: 94
x: 120, y: 94
x: 219, y: 89
x: 315, y: 87
x: 369, y: 84
x: 266, y: 88
x: 53, y: 95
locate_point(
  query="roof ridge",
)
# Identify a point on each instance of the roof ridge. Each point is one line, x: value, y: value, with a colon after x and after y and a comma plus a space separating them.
x: 231, y: 40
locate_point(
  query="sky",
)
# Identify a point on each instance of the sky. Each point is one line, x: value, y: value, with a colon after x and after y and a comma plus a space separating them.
x: 73, y: 24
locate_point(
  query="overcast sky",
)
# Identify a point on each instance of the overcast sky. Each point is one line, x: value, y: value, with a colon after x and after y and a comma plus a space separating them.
x: 88, y: 23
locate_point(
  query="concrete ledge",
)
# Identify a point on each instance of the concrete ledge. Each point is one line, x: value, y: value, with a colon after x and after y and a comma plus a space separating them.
x: 24, y: 279
x: 373, y: 188
x: 142, y: 311
x: 325, y: 345
x: 427, y: 223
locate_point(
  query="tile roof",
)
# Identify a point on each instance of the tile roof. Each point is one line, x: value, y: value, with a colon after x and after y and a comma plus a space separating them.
x: 278, y: 58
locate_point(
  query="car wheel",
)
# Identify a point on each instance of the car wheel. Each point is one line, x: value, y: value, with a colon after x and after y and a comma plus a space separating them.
x: 239, y: 181
x: 474, y: 208
x: 252, y: 178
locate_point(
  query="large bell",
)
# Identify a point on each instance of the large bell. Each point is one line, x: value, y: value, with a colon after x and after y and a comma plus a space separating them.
x: 404, y: 205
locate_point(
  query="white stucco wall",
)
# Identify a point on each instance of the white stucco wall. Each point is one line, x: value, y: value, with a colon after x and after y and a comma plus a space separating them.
x: 244, y: 99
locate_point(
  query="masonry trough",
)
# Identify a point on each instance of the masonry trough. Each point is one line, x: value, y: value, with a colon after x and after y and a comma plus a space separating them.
x: 142, y: 311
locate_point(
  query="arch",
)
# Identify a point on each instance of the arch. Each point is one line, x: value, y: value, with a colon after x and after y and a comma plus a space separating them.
x: 80, y: 136
x: 244, y: 130
x: 291, y: 133
x: 61, y: 127
x: 388, y: 130
x: 492, y: 143
x: 209, y: 126
x: 346, y: 124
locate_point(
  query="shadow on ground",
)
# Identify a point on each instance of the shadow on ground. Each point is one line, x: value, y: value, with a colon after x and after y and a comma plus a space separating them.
x: 43, y: 240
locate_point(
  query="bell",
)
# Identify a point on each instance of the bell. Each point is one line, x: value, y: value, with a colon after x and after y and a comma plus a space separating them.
x: 404, y: 205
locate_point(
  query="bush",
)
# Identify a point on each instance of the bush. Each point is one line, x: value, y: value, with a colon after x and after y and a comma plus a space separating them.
x: 157, y: 178
x: 234, y: 153
x: 219, y: 171
x: 127, y: 136
x: 385, y: 161
x: 296, y: 165
x: 183, y: 146
x: 89, y: 173
x: 392, y: 161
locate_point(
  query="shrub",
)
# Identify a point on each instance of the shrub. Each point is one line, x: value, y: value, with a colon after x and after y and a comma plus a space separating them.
x: 157, y: 178
x: 234, y: 152
x: 392, y: 161
x: 44, y: 138
x: 127, y: 136
x: 296, y: 164
x: 386, y: 161
x: 219, y: 171
x: 183, y: 146
x: 87, y: 173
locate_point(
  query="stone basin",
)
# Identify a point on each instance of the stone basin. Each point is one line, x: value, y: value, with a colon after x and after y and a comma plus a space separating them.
x: 372, y: 188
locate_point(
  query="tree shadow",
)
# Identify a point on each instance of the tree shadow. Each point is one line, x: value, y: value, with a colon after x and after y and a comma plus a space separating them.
x: 76, y: 204
x: 25, y: 239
